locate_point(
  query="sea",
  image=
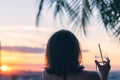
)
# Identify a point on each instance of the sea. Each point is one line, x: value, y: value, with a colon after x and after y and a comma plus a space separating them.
x: 114, y: 75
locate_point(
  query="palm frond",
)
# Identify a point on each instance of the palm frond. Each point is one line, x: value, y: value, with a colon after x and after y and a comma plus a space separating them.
x: 73, y: 9
x: 80, y: 12
x: 85, y: 13
x: 39, y: 12
x: 110, y: 14
x: 58, y: 7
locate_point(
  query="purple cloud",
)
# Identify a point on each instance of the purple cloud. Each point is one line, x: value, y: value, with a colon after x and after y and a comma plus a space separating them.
x: 23, y: 49
x: 85, y: 50
x: 27, y: 64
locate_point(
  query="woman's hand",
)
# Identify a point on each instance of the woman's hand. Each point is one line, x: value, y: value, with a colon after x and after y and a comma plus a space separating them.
x: 104, y: 69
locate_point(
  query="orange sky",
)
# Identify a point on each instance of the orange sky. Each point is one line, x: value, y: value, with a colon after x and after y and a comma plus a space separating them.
x: 17, y: 28
x: 35, y: 62
x: 22, y: 61
x: 27, y: 36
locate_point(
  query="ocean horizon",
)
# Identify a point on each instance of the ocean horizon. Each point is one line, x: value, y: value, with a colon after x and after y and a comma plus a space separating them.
x: 114, y: 75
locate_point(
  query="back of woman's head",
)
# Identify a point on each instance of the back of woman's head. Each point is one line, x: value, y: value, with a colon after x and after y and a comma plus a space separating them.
x: 63, y: 52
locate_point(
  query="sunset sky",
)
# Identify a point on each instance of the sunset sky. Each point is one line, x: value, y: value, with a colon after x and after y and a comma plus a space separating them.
x: 23, y: 44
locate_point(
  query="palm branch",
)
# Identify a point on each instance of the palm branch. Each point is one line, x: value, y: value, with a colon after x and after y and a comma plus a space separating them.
x: 81, y: 11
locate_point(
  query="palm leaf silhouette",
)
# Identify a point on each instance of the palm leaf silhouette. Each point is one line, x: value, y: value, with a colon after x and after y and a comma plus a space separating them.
x: 81, y: 11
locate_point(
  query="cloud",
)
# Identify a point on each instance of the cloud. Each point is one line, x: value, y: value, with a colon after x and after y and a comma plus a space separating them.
x: 85, y: 50
x: 23, y: 49
x: 27, y: 64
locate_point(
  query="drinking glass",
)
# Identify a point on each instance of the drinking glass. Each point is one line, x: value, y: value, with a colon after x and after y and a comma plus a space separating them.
x: 101, y: 58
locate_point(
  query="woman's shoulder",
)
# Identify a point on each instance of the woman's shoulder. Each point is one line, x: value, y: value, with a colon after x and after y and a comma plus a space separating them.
x: 93, y: 75
x: 84, y: 75
x: 89, y: 72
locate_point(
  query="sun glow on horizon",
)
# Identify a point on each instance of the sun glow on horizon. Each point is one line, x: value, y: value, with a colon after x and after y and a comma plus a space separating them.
x: 4, y: 68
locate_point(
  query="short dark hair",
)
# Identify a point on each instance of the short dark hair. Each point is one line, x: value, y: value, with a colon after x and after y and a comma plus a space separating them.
x: 63, y: 52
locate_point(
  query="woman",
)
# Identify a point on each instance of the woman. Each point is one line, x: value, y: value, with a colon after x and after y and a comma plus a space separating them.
x: 64, y: 57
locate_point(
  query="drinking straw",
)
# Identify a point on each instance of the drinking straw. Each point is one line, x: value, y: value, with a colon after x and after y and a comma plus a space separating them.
x: 100, y: 53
